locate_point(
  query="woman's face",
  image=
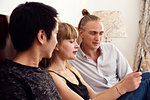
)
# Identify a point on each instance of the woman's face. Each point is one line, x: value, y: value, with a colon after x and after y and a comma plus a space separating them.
x: 68, y: 49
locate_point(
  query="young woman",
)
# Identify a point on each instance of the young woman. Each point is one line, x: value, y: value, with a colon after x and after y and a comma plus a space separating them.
x: 68, y: 81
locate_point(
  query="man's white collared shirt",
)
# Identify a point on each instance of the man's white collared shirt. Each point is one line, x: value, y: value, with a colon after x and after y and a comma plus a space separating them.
x: 111, y: 67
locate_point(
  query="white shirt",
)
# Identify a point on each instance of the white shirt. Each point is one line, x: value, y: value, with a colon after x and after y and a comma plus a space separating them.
x: 111, y: 67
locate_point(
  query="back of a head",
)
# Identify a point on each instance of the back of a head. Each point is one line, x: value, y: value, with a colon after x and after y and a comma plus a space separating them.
x: 87, y: 17
x: 3, y: 30
x: 27, y: 19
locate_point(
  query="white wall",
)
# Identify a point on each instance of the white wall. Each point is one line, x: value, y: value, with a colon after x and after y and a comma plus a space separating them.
x: 70, y: 11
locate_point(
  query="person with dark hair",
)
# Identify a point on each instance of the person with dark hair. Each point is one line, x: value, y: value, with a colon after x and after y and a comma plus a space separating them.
x: 33, y: 29
x: 3, y: 30
x: 100, y: 64
x: 6, y: 48
x: 72, y: 86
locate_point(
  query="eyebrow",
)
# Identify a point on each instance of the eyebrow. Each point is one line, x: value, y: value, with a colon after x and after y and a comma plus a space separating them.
x: 96, y: 31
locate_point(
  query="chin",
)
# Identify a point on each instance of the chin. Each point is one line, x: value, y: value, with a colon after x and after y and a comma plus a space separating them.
x: 73, y: 58
x: 50, y: 55
x: 96, y: 47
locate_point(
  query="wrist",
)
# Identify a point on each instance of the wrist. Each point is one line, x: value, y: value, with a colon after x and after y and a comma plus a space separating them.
x: 118, y: 91
x: 121, y: 90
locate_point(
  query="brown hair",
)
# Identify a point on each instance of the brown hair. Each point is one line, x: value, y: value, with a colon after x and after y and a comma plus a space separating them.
x: 66, y: 31
x: 87, y: 17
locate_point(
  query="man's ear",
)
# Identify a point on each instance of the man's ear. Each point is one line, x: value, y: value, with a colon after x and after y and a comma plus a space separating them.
x: 41, y: 36
x: 80, y: 32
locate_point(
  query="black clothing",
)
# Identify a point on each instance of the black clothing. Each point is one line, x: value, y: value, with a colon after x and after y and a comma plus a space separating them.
x: 80, y: 89
x: 20, y: 82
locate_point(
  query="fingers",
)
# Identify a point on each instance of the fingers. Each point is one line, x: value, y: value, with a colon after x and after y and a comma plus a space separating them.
x: 141, y: 70
x: 135, y: 74
x: 131, y: 81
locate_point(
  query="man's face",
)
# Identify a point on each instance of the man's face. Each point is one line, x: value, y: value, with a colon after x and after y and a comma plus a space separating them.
x: 53, y: 40
x: 92, y: 34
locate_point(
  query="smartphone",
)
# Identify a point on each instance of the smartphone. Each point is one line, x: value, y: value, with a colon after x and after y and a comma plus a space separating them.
x: 140, y: 64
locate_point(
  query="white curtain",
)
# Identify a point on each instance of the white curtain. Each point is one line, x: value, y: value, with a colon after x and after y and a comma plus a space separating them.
x: 143, y: 45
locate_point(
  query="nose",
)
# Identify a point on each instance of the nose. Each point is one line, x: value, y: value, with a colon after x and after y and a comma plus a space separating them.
x: 97, y: 37
x: 76, y: 45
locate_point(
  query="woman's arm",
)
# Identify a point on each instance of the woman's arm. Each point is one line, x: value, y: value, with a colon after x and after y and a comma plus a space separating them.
x: 109, y: 94
x: 129, y: 83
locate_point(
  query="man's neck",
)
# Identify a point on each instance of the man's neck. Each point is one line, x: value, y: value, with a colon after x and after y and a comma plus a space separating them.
x: 91, y: 53
x: 27, y: 58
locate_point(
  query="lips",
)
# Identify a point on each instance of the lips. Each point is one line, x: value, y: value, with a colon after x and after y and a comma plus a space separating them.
x: 95, y: 43
x: 75, y: 52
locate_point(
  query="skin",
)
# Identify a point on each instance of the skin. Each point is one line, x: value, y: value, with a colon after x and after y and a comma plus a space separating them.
x: 51, y: 44
x: 68, y: 45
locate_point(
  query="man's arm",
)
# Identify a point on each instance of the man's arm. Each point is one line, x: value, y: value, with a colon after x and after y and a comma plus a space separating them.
x: 123, y: 67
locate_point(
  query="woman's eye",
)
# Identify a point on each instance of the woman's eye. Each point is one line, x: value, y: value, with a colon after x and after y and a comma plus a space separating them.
x: 71, y: 41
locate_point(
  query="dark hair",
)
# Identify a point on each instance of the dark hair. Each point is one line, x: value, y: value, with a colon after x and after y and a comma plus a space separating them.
x: 27, y: 19
x: 6, y: 48
x: 3, y: 30
x: 87, y: 17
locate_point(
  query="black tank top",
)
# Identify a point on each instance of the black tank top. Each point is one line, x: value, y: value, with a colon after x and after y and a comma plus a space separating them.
x: 79, y: 89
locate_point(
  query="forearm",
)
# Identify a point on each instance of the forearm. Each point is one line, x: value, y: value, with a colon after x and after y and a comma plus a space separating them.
x: 109, y: 94
x: 129, y: 83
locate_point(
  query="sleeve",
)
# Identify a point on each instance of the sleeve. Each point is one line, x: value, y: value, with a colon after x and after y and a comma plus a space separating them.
x: 123, y: 67
x: 12, y: 89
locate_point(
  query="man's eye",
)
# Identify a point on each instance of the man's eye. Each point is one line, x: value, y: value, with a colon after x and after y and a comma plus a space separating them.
x: 93, y: 32
x: 101, y: 33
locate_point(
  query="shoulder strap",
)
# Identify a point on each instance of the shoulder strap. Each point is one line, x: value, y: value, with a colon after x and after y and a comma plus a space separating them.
x: 65, y: 78
x: 76, y: 77
x: 69, y: 67
x: 57, y: 74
